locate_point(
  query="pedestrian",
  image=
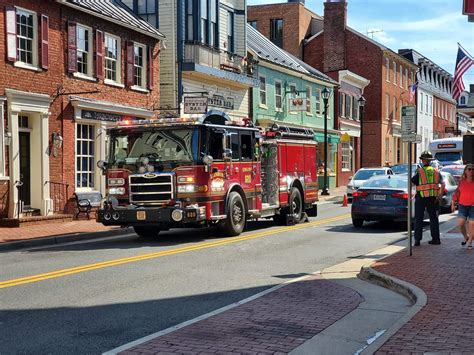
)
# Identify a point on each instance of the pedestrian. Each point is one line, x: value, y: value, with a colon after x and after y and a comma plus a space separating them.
x: 429, y: 188
x: 464, y: 196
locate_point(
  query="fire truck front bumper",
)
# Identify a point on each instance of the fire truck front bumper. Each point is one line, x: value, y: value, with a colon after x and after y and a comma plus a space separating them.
x: 150, y: 216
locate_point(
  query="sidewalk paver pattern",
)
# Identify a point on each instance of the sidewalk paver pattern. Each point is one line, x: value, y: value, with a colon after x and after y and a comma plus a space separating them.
x: 277, y: 322
x: 445, y: 274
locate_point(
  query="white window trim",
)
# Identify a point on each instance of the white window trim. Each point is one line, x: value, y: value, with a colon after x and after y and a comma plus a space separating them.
x: 349, y: 162
x: 387, y: 70
x: 309, y: 113
x: 119, y: 61
x: 394, y: 68
x: 139, y: 89
x: 401, y: 76
x: 2, y: 141
x: 261, y: 104
x: 387, y: 106
x: 144, y: 66
x: 113, y: 83
x: 84, y: 77
x: 95, y: 169
x: 279, y: 109
x: 90, y: 62
x: 35, y: 65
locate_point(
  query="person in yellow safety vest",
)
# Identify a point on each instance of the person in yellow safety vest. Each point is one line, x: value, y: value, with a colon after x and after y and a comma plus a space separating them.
x: 429, y: 188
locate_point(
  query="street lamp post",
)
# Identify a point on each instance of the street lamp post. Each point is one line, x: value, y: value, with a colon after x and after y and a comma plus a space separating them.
x: 325, y: 93
x: 361, y: 119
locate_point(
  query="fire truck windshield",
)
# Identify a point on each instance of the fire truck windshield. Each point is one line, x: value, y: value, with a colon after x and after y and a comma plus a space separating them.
x: 158, y: 147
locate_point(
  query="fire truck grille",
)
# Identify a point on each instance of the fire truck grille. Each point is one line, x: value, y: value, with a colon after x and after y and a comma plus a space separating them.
x: 151, y: 189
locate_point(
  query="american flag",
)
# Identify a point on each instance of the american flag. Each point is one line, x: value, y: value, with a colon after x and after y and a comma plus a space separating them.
x: 412, y: 94
x: 463, y: 63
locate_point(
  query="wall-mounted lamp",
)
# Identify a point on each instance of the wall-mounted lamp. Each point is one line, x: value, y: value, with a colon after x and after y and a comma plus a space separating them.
x: 57, y: 143
x: 7, y: 138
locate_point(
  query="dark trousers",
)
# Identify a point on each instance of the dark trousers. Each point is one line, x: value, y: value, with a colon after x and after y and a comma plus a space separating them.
x: 431, y: 204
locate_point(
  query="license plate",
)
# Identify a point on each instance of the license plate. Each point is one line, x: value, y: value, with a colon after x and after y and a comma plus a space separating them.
x: 379, y: 197
x: 141, y: 215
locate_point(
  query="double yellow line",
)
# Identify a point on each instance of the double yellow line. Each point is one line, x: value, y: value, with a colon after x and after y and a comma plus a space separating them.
x: 132, y: 259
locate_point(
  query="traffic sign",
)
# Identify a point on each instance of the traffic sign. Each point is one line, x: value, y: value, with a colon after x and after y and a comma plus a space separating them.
x: 408, y: 119
x: 409, y: 137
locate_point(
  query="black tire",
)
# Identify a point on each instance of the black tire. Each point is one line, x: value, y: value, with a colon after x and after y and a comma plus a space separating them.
x: 234, y: 224
x: 357, y: 222
x: 147, y: 232
x: 296, y: 203
x: 313, y: 211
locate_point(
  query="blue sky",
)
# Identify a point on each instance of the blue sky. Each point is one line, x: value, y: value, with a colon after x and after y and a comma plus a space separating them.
x: 432, y: 27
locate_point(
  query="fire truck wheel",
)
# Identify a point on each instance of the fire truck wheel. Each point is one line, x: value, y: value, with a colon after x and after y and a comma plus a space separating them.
x: 147, y: 232
x: 235, y: 221
x: 296, y: 203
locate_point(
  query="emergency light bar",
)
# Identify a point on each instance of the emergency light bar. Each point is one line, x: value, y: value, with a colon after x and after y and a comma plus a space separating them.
x: 291, y: 132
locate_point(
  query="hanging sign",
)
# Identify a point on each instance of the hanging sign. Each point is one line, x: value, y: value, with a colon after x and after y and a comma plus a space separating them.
x: 101, y: 116
x: 195, y: 105
x: 221, y: 101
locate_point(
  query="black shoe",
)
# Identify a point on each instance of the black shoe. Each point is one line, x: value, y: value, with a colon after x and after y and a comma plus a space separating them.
x: 434, y: 242
x: 417, y: 243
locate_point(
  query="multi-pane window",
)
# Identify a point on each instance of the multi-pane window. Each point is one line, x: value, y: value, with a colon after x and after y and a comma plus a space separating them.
x: 276, y: 32
x: 426, y: 104
x: 400, y: 110
x: 83, y: 39
x: 421, y: 102
x: 341, y: 105
x: 406, y: 78
x: 348, y: 108
x: 346, y: 155
x: 355, y: 109
x: 394, y: 73
x: 317, y: 99
x: 387, y: 106
x: 85, y: 164
x: 394, y: 107
x: 112, y: 58
x: 263, y: 91
x: 401, y: 76
x: 230, y: 31
x: 278, y: 96
x: 387, y: 69
x: 204, y: 22
x: 189, y: 20
x: 26, y: 29
x: 148, y: 10
x: 139, y: 75
x: 308, y: 99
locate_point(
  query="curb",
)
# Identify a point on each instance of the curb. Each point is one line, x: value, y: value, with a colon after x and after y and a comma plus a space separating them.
x: 61, y: 239
x: 415, y: 294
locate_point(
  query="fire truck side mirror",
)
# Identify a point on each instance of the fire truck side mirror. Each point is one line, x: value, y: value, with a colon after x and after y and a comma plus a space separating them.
x: 227, y: 154
x: 102, y: 165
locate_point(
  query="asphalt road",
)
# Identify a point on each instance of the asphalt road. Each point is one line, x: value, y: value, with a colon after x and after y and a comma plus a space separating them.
x: 94, y: 296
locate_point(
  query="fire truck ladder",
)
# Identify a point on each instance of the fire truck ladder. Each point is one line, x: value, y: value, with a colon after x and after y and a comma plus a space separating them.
x: 292, y: 132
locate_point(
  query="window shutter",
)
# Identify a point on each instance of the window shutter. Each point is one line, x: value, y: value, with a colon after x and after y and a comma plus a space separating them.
x: 10, y: 15
x: 99, y: 54
x: 71, y: 47
x: 44, y: 42
x: 150, y: 68
x: 130, y: 63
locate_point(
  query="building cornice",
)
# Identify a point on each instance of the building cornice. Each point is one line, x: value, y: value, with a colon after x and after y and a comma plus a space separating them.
x: 103, y: 106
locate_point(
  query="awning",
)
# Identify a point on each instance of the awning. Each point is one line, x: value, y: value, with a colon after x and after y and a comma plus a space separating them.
x: 332, y: 138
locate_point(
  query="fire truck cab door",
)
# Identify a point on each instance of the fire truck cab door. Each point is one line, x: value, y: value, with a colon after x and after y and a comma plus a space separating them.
x: 250, y: 168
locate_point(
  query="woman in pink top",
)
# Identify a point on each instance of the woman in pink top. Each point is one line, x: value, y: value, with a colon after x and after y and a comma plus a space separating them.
x: 464, y: 196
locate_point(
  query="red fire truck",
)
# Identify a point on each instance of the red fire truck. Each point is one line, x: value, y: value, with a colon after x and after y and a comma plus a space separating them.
x: 189, y: 174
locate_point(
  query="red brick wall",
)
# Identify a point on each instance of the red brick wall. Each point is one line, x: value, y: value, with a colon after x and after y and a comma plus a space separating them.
x: 48, y: 81
x: 440, y: 120
x: 296, y: 23
x: 335, y: 18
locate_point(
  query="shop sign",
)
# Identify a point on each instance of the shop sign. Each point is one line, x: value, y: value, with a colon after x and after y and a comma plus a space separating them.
x: 221, y: 101
x: 345, y: 138
x: 101, y: 116
x: 195, y: 105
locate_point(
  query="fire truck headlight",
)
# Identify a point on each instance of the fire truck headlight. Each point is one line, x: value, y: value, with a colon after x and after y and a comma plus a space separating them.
x: 116, y: 181
x: 177, y: 215
x: 117, y: 191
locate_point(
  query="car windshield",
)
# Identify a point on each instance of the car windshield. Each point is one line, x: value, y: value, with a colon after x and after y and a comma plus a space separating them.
x: 386, y: 183
x: 454, y: 170
x: 403, y: 168
x: 158, y: 146
x: 448, y: 156
x: 367, y: 174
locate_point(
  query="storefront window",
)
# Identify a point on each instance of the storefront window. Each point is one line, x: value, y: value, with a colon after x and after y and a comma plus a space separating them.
x: 332, y: 156
x: 347, y: 154
x: 85, y: 161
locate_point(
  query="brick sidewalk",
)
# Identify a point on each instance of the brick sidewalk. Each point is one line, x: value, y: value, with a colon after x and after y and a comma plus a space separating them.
x: 51, y: 230
x: 275, y: 323
x: 445, y: 274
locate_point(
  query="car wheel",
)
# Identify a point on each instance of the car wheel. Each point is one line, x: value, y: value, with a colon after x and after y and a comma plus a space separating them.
x: 147, y: 232
x: 357, y: 222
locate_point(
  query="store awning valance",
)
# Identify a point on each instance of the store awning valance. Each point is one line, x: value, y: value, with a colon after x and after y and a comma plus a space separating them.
x: 332, y: 138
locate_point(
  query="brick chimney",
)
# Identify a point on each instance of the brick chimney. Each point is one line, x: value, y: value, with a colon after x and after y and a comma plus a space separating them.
x: 471, y: 88
x: 335, y: 22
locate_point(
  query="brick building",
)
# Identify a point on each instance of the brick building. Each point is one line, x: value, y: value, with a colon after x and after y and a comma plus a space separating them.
x: 68, y: 70
x: 337, y: 47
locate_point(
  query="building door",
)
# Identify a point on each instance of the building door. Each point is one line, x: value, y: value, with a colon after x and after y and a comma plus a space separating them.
x: 25, y: 171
